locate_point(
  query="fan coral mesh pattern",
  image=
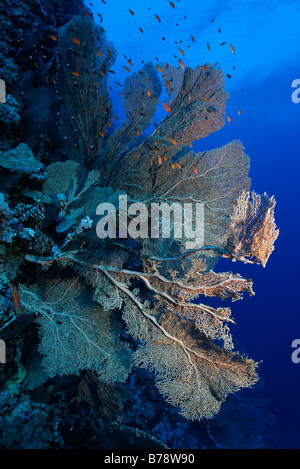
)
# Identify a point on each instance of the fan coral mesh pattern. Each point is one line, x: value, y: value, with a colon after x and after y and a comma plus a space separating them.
x: 152, y: 287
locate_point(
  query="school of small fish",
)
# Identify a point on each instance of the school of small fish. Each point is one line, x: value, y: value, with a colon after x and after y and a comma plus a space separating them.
x: 161, y: 69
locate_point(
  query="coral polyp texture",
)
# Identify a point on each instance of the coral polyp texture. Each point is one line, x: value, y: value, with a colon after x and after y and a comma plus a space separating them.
x: 113, y: 304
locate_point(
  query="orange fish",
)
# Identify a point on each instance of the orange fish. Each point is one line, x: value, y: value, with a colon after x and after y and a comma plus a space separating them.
x: 101, y: 134
x: 229, y: 76
x: 130, y: 63
x: 195, y: 170
x: 76, y: 41
x: 88, y: 14
x: 149, y: 92
x: 190, y: 145
x: 167, y: 109
x: 206, y: 99
x: 53, y: 81
x: 138, y: 132
x: 229, y: 119
x: 75, y: 74
x: 159, y: 160
x: 173, y: 141
x: 158, y: 18
x: 239, y: 111
x: 172, y: 4
x: 131, y: 12
x: 232, y: 48
x: 15, y: 298
x: 126, y: 68
x: 98, y: 53
x: 193, y: 39
x: 181, y: 51
x: 208, y: 46
x: 159, y: 69
x: 178, y: 165
x: 54, y: 38
x: 141, y: 30
x: 181, y: 64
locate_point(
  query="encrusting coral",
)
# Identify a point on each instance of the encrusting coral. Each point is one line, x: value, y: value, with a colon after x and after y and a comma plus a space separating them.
x: 84, y: 292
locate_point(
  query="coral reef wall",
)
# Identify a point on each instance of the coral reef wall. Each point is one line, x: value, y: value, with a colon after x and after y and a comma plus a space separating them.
x: 108, y: 341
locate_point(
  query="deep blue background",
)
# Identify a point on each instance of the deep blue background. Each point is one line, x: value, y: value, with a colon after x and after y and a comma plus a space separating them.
x: 266, y: 38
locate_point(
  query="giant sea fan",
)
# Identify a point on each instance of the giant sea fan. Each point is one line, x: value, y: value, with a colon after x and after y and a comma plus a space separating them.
x: 153, y: 286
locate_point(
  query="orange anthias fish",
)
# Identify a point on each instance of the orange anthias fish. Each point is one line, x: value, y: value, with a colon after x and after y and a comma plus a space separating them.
x: 167, y: 109
x: 181, y: 64
x: 195, y: 169
x: 15, y: 298
x: 159, y: 69
x: 131, y: 12
x: 232, y: 48
x: 239, y: 111
x: 54, y: 38
x: 172, y: 4
x: 158, y: 18
x: 76, y: 74
x: 76, y: 41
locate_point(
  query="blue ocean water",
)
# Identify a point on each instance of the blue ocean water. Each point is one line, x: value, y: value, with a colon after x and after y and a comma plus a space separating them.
x: 266, y: 37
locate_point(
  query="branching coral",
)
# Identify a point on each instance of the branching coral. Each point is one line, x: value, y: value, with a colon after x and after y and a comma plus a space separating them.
x: 152, y: 285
